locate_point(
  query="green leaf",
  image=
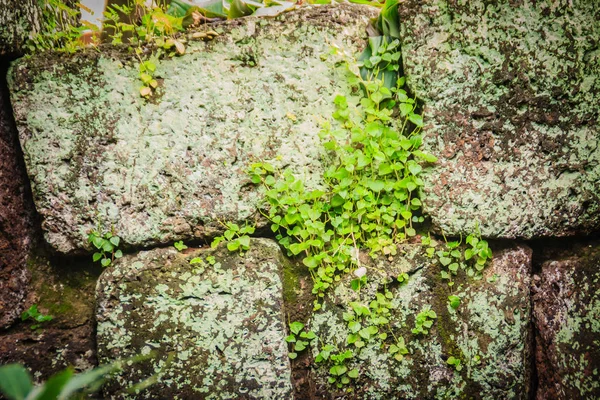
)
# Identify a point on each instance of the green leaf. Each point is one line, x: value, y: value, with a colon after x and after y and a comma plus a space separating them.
x: 337, y: 200
x: 54, y: 386
x: 468, y: 254
x: 300, y: 345
x: 15, y: 381
x: 290, y: 338
x: 115, y: 240
x: 238, y: 9
x: 376, y: 185
x: 416, y: 119
x: 92, y: 378
x: 244, y: 242
x: 296, y: 327
x: 353, y: 373
x: 107, y: 246
x: 105, y: 262
x: 445, y: 261
x: 454, y: 301
x: 405, y: 109
x: 233, y: 245
x: 118, y: 254
x: 425, y: 156
x: 96, y: 256
x: 338, y: 370
x: 292, y: 355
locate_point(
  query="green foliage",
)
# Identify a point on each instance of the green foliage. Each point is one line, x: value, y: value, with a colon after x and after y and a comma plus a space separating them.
x: 371, y: 196
x: 16, y: 383
x: 32, y: 313
x: 180, y: 246
x: 336, y: 360
x: 454, y: 301
x: 454, y: 362
x: 58, y: 30
x: 424, y: 321
x: 299, y: 339
x: 106, y: 246
x: 237, y: 237
x: 229, y: 9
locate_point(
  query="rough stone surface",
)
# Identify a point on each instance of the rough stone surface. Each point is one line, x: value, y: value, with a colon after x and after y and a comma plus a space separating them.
x: 170, y: 168
x: 567, y: 319
x: 16, y: 215
x: 492, y: 323
x: 511, y: 95
x: 217, y: 330
x: 64, y: 290
x: 18, y: 20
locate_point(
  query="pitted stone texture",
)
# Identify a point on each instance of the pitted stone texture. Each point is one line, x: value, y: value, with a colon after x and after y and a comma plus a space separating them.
x: 217, y: 330
x: 567, y: 317
x: 492, y: 323
x: 19, y: 19
x: 511, y: 95
x: 170, y: 168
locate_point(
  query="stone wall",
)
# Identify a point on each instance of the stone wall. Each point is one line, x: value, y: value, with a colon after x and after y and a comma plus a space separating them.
x: 511, y: 101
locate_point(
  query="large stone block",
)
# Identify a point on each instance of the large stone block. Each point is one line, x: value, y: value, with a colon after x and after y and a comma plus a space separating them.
x: 567, y: 318
x: 171, y: 168
x: 19, y: 20
x: 16, y: 215
x: 489, y: 332
x: 216, y: 327
x: 511, y: 99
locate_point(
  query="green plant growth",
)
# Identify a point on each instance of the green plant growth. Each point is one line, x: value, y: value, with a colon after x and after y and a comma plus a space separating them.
x: 455, y: 362
x: 33, y: 314
x: 106, y: 246
x: 237, y: 238
x: 299, y: 339
x: 59, y: 28
x: 454, y: 301
x: 16, y: 383
x: 339, y: 373
x: 180, y: 246
x: 424, y: 321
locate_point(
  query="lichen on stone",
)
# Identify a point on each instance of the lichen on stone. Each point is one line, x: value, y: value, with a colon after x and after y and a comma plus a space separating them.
x: 211, y: 330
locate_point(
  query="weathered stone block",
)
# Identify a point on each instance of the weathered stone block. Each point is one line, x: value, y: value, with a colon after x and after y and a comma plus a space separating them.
x: 19, y: 20
x: 567, y: 318
x: 490, y: 332
x: 217, y: 329
x: 16, y: 215
x: 511, y: 101
x: 172, y: 167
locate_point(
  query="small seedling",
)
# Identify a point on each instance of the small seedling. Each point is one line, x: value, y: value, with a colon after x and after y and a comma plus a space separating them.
x: 454, y: 301
x: 454, y: 362
x: 237, y: 238
x: 107, y: 247
x: 33, y: 314
x: 424, y: 321
x: 180, y: 246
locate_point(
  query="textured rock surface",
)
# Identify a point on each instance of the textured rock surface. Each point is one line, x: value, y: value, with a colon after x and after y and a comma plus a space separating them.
x: 217, y: 330
x: 511, y: 93
x: 492, y: 324
x: 18, y: 20
x: 16, y: 215
x: 64, y: 290
x: 567, y: 318
x: 168, y: 169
